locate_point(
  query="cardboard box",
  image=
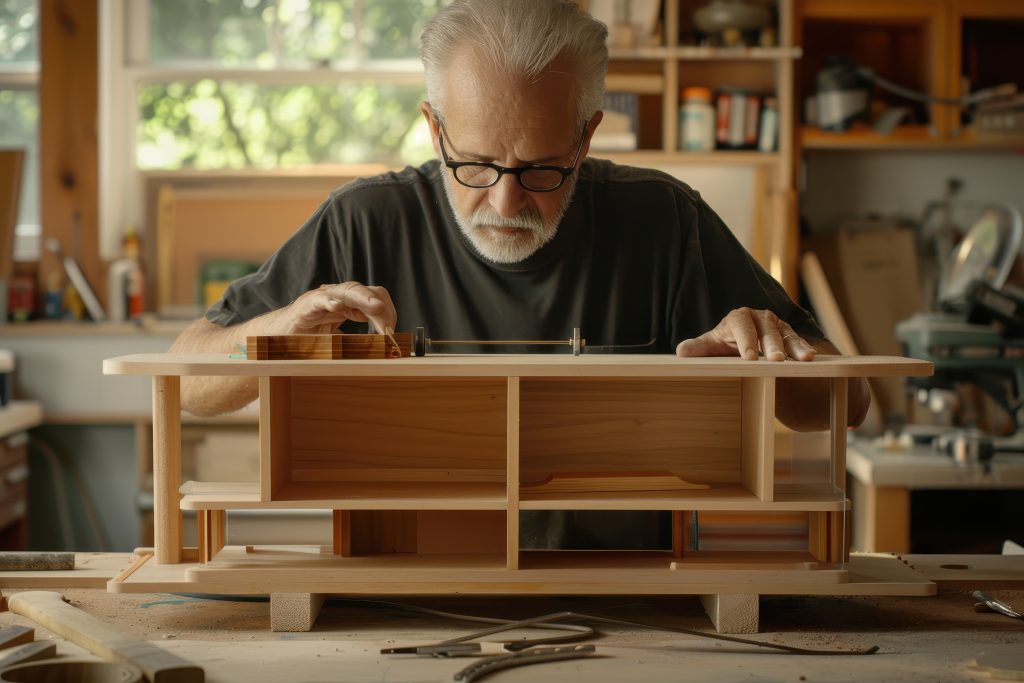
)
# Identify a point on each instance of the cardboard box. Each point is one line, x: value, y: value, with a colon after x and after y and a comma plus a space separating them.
x: 873, y: 271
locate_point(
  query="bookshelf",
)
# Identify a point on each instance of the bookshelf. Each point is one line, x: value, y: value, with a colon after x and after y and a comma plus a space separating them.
x: 656, y: 74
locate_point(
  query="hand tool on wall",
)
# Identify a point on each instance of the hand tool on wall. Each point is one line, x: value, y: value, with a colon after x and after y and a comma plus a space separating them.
x: 77, y: 277
x: 49, y: 610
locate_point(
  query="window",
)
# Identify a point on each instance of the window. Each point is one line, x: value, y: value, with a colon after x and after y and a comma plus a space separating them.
x: 233, y: 85
x: 19, y: 109
x: 278, y: 83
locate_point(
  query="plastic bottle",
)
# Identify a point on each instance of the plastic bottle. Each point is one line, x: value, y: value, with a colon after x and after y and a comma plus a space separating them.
x: 769, y: 134
x: 696, y: 120
x: 126, y: 282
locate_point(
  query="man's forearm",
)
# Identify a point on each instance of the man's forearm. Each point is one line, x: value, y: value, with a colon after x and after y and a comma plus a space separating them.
x: 804, y: 404
x: 208, y: 396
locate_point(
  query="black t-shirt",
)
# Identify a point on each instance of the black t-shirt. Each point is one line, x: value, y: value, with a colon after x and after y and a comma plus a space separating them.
x: 638, y: 256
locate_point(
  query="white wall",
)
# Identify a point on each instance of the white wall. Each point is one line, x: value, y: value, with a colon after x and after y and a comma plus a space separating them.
x: 841, y: 185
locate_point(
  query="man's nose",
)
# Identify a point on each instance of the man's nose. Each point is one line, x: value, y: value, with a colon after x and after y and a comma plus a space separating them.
x: 507, y: 196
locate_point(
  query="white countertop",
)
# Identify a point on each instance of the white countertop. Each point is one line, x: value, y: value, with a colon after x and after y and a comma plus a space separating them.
x: 923, y: 468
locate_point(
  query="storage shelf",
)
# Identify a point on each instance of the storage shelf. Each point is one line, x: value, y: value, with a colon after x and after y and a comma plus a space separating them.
x: 725, y: 497
x: 657, y: 158
x: 705, y: 53
x: 861, y: 137
x: 346, y: 496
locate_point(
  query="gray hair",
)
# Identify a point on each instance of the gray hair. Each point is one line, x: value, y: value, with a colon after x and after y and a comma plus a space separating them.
x: 519, y: 38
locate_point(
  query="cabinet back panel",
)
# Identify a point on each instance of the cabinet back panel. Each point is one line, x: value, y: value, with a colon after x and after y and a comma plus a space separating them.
x: 442, y: 429
x: 689, y: 427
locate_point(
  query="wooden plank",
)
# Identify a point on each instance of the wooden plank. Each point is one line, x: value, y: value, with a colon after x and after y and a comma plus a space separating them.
x: 512, y: 472
x: 350, y: 496
x: 51, y: 612
x: 383, y: 531
x: 970, y: 572
x: 758, y: 437
x: 236, y: 571
x: 68, y: 145
x: 689, y: 428
x: 92, y: 570
x: 11, y: 164
x: 277, y: 438
x: 16, y: 635
x: 341, y: 532
x: 167, y: 468
x: 838, y: 424
x: 438, y: 430
x: 611, y: 482
x: 453, y: 532
x: 520, y: 365
x: 881, y: 518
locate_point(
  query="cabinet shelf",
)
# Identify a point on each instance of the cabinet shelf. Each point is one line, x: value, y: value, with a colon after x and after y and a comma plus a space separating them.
x: 723, y: 497
x: 696, y: 53
x: 715, y: 158
x: 911, y: 137
x: 346, y: 496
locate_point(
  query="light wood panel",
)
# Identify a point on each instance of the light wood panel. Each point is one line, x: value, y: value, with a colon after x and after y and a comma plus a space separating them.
x: 394, y: 430
x: 347, y: 496
x: 167, y: 468
x: 11, y: 164
x: 68, y: 145
x: 275, y: 435
x: 519, y: 365
x: 512, y: 427
x: 758, y: 436
x: 577, y: 426
x: 236, y: 571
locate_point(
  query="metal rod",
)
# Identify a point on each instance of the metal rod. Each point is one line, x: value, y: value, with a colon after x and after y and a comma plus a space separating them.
x: 549, y: 342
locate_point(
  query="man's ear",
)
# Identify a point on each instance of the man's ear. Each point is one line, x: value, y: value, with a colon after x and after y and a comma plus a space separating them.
x: 428, y: 114
x: 591, y: 127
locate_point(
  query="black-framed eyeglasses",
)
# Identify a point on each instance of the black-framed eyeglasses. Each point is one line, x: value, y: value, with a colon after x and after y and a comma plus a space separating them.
x: 534, y: 177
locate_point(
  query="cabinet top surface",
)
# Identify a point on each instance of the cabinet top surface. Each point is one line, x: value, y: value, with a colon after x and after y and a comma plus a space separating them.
x: 525, y: 365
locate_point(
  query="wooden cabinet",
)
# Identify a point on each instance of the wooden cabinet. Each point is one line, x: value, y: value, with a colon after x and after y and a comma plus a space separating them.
x: 658, y: 73
x: 944, y: 48
x: 428, y: 462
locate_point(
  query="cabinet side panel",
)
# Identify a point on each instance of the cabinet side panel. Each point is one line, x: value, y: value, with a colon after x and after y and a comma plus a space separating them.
x: 688, y: 427
x: 512, y: 476
x: 758, y: 439
x: 275, y: 435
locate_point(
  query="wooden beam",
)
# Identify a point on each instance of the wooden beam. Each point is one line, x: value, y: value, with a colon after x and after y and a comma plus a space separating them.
x: 68, y: 144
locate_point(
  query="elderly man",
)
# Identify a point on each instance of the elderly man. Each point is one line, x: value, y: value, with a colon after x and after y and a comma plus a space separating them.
x: 514, y: 233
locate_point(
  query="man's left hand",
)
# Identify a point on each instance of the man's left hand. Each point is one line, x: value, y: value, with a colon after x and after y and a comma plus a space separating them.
x: 747, y: 332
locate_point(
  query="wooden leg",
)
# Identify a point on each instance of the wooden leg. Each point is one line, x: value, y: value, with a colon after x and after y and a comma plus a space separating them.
x: 167, y: 469
x: 294, y: 612
x: 732, y: 613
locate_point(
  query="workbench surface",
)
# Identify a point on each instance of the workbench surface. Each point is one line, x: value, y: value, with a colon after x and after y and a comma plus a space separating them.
x: 921, y: 639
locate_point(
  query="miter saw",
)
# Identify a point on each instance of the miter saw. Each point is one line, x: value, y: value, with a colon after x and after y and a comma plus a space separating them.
x: 978, y: 335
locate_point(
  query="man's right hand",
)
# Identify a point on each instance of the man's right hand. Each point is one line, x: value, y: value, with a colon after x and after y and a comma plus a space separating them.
x: 322, y: 310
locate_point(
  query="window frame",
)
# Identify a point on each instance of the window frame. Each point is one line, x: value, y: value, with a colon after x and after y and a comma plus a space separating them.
x: 24, y: 76
x: 125, y: 68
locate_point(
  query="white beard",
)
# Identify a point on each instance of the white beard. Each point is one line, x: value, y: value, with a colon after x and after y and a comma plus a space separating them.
x: 499, y: 247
